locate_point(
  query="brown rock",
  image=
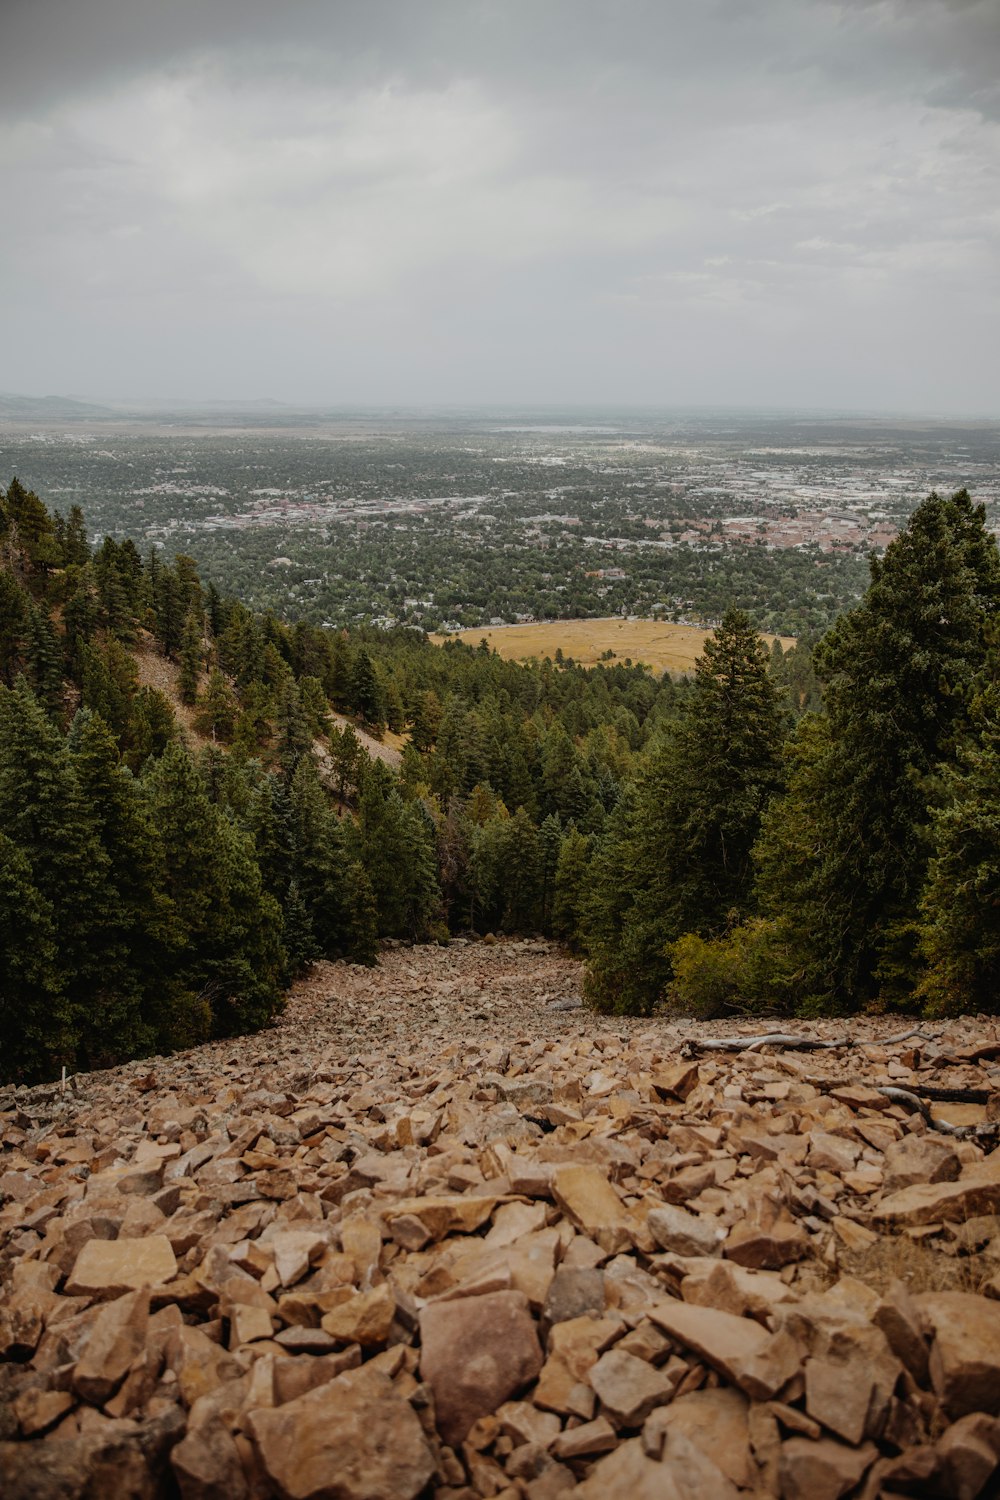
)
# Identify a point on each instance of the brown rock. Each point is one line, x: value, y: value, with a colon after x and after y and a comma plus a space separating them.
x: 676, y: 1080
x: 628, y: 1387
x: 364, y: 1319
x: 684, y: 1474
x: 475, y: 1353
x: 456, y: 1213
x: 965, y: 1354
x: 743, y: 1353
x: 716, y: 1422
x: 684, y: 1233
x: 969, y: 1455
x: 977, y: 1191
x: 586, y: 1196
x: 822, y: 1470
x: 585, y: 1441
x: 354, y: 1438
x: 206, y: 1465
x: 766, y: 1238
x: 36, y: 1410
x: 107, y: 1268
x: 573, y: 1293
x: 899, y: 1320
x: 919, y: 1158
x: 117, y: 1338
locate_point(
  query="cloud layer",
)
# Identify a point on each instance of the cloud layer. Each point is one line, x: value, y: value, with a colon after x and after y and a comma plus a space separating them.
x: 755, y: 202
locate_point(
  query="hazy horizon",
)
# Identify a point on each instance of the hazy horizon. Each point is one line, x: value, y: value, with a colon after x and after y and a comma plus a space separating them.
x: 772, y: 205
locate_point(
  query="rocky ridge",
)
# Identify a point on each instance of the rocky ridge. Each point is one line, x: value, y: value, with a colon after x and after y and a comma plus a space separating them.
x: 441, y: 1232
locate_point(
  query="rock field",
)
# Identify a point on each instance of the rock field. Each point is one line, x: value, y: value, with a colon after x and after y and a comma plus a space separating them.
x: 443, y: 1233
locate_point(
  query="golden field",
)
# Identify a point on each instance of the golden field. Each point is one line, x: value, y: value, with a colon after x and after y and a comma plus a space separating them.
x: 660, y: 646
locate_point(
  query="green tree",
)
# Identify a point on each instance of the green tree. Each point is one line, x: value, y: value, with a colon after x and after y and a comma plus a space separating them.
x: 226, y: 977
x: 36, y: 1032
x: 847, y: 850
x: 960, y: 904
x: 191, y: 657
x: 44, y: 813
x: 677, y: 856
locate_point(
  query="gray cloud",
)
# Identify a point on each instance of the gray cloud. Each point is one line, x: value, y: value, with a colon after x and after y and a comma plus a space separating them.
x: 785, y: 201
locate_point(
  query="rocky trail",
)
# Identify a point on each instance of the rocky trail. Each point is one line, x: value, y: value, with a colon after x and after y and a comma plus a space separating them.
x: 441, y: 1232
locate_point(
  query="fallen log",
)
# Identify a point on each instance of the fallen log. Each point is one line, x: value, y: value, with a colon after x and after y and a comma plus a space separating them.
x: 986, y: 1133
x: 693, y: 1045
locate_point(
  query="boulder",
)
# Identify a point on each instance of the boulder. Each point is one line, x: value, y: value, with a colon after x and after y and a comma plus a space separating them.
x: 354, y: 1438
x: 475, y: 1353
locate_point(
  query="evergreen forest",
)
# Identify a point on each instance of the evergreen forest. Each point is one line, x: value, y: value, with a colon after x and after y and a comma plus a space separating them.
x: 189, y: 817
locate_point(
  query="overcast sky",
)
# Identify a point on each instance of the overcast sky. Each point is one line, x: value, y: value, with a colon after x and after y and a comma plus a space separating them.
x: 693, y: 202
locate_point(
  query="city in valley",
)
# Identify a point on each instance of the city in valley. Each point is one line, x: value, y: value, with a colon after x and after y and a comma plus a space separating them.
x: 452, y: 520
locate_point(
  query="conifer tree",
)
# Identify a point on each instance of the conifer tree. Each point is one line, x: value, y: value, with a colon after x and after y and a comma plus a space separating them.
x: 847, y: 849
x: 141, y: 931
x: 14, y: 612
x: 36, y: 1032
x: 191, y: 658
x: 44, y: 813
x: 960, y: 904
x: 677, y: 856
x: 228, y: 967
x: 43, y: 654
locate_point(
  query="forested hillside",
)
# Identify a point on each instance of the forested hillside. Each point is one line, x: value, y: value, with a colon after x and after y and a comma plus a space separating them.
x: 170, y: 859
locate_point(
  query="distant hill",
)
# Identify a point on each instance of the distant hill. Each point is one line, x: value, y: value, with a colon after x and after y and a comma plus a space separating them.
x: 49, y: 409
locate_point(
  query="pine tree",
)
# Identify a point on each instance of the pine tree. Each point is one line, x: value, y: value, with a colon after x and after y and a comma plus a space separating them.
x: 226, y: 979
x: 677, y: 856
x: 141, y: 932
x: 572, y: 871
x: 43, y: 811
x: 36, y: 1033
x: 217, y: 708
x: 960, y: 904
x: 847, y: 849
x: 366, y: 698
x: 191, y: 658
x: 44, y: 662
x: 14, y: 612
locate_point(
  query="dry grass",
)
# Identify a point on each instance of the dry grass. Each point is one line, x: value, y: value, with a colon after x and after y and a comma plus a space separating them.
x: 922, y: 1265
x: 654, y: 643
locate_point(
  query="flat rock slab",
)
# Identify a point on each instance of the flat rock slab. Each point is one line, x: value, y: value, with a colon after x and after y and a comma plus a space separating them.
x: 108, y: 1268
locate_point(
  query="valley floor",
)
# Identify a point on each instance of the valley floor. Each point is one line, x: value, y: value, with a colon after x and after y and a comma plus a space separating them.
x: 443, y: 1232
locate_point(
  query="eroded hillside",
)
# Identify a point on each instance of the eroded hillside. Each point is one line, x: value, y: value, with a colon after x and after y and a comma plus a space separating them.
x: 441, y: 1232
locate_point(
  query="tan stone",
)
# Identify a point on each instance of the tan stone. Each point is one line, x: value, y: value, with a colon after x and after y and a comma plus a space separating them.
x: 206, y: 1465
x: 969, y: 1455
x: 965, y: 1354
x: 457, y: 1213
x: 766, y: 1238
x: 716, y: 1422
x: 585, y: 1441
x: 675, y: 1229
x: 37, y: 1410
x: 116, y: 1340
x: 743, y: 1353
x: 364, y: 1319
x: 353, y: 1438
x: 919, y: 1158
x: 107, y: 1268
x: 628, y: 1388
x: 684, y: 1474
x: 474, y: 1354
x: 587, y: 1197
x: 675, y: 1080
x: 822, y: 1470
x: 977, y: 1191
